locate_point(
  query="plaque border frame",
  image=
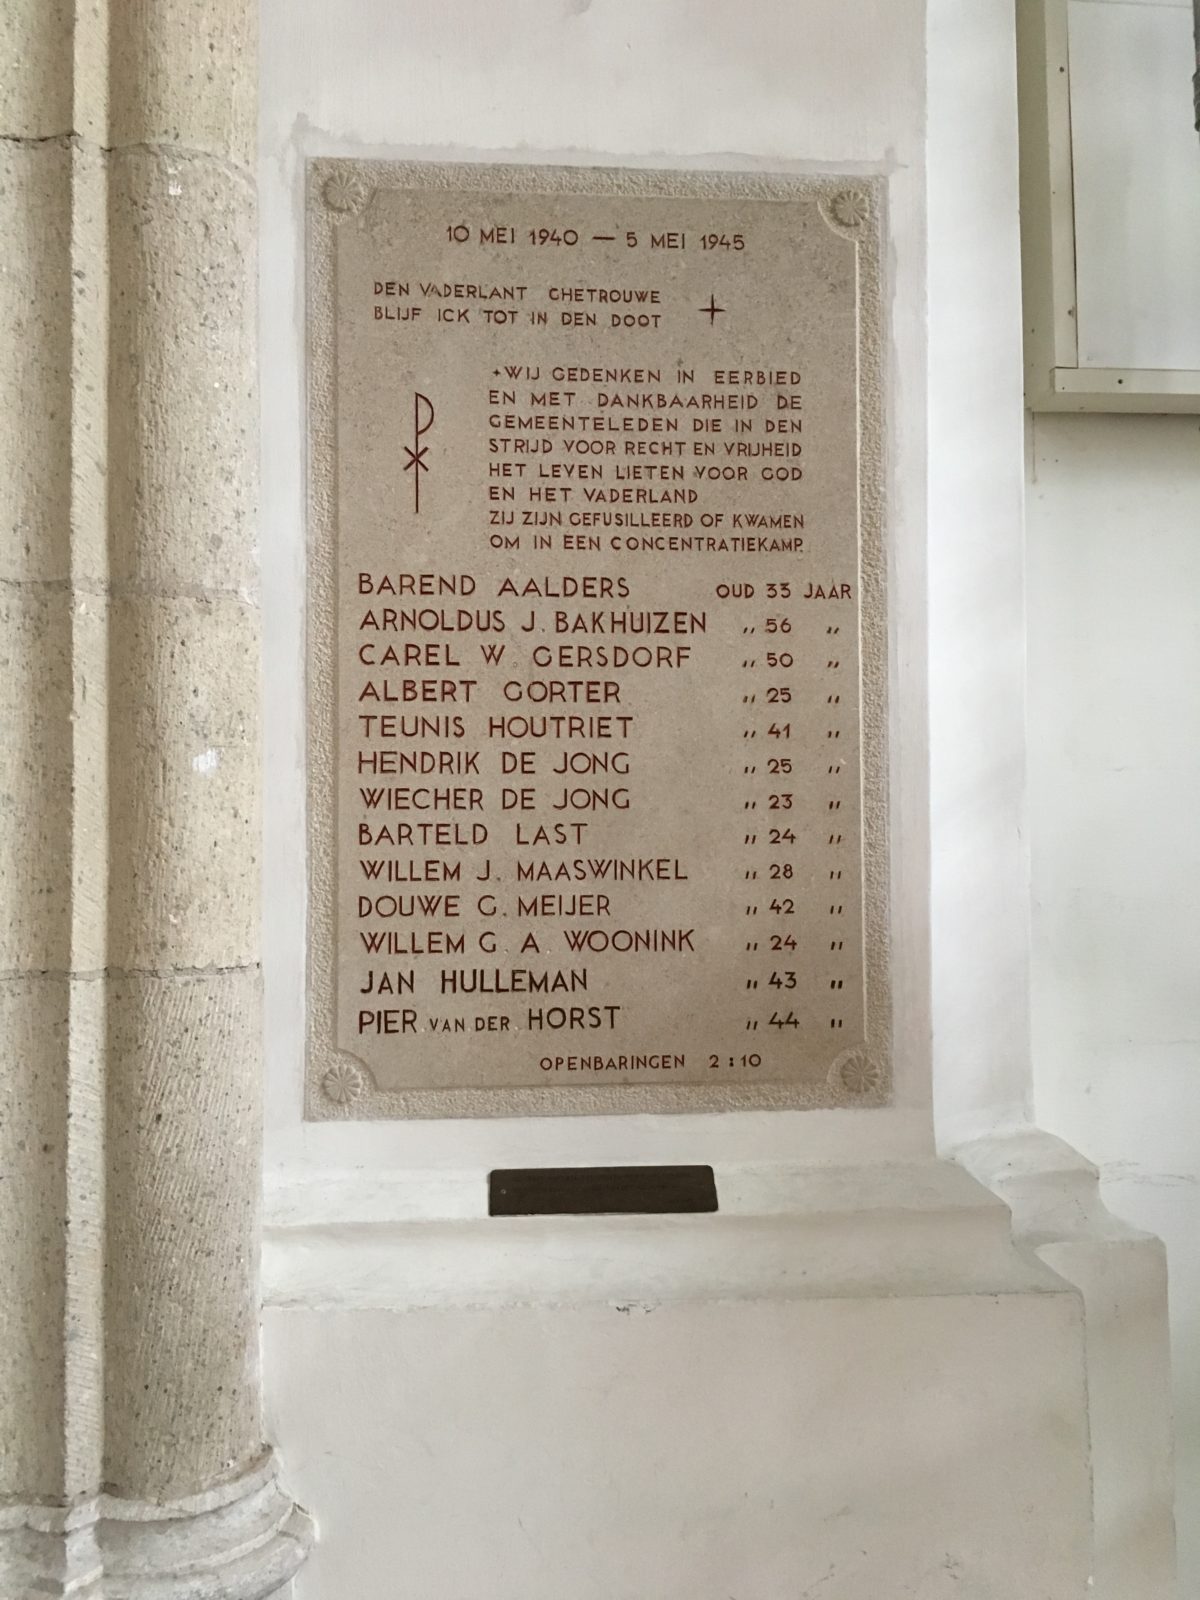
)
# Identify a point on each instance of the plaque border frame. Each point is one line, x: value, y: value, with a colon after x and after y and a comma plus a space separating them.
x: 338, y: 1085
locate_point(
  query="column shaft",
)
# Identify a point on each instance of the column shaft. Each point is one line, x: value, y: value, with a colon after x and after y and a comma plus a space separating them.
x: 53, y: 792
x: 184, y: 1133
x: 130, y: 1098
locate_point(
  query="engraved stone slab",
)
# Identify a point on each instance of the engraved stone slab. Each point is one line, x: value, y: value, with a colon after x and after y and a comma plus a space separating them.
x: 598, y: 648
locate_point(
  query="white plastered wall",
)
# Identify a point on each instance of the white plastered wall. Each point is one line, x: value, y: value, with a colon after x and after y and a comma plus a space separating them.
x: 681, y: 82
x: 1114, y: 751
x: 979, y: 857
x: 787, y: 86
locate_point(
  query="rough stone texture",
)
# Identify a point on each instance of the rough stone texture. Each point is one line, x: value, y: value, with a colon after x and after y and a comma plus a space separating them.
x: 89, y: 356
x: 185, y: 801
x: 35, y: 791
x: 53, y: 381
x: 183, y: 1047
x: 184, y: 74
x: 35, y: 78
x: 183, y: 399
x: 52, y: 857
x: 184, y: 1134
x: 34, y: 1019
x: 50, y: 1122
x: 130, y: 1435
x: 35, y: 376
x: 53, y: 668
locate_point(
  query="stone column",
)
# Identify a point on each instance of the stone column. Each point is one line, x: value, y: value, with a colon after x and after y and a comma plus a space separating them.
x: 131, y: 1455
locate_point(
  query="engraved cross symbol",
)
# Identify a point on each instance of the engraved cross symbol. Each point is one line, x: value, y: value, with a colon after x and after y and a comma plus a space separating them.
x: 416, y: 451
x: 712, y: 310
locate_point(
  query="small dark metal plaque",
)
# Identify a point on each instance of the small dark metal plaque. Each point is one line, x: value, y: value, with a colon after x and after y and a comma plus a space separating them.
x: 599, y: 1191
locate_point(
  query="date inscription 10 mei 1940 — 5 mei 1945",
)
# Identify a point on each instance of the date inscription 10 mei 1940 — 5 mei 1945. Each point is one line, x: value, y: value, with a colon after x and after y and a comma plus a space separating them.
x: 597, y: 642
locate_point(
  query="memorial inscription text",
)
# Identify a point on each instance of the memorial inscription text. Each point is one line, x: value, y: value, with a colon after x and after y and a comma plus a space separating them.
x: 598, y: 782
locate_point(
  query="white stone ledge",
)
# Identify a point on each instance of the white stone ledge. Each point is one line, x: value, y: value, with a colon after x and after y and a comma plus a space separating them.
x: 782, y: 1232
x: 1054, y: 1192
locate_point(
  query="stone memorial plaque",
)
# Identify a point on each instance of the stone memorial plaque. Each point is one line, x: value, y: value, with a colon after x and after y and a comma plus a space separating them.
x: 598, y: 650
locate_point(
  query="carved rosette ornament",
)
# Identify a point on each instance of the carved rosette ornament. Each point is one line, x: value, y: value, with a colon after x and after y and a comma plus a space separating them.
x: 344, y: 192
x: 847, y: 211
x: 856, y: 1073
x: 344, y: 1083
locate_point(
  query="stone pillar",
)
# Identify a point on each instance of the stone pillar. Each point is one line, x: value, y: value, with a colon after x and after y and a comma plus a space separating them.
x: 131, y: 1455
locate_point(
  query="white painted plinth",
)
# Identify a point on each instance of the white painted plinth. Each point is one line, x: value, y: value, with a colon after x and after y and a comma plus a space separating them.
x: 872, y: 1393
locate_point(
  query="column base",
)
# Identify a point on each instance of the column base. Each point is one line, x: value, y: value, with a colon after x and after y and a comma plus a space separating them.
x: 242, y: 1541
x: 48, y: 1552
